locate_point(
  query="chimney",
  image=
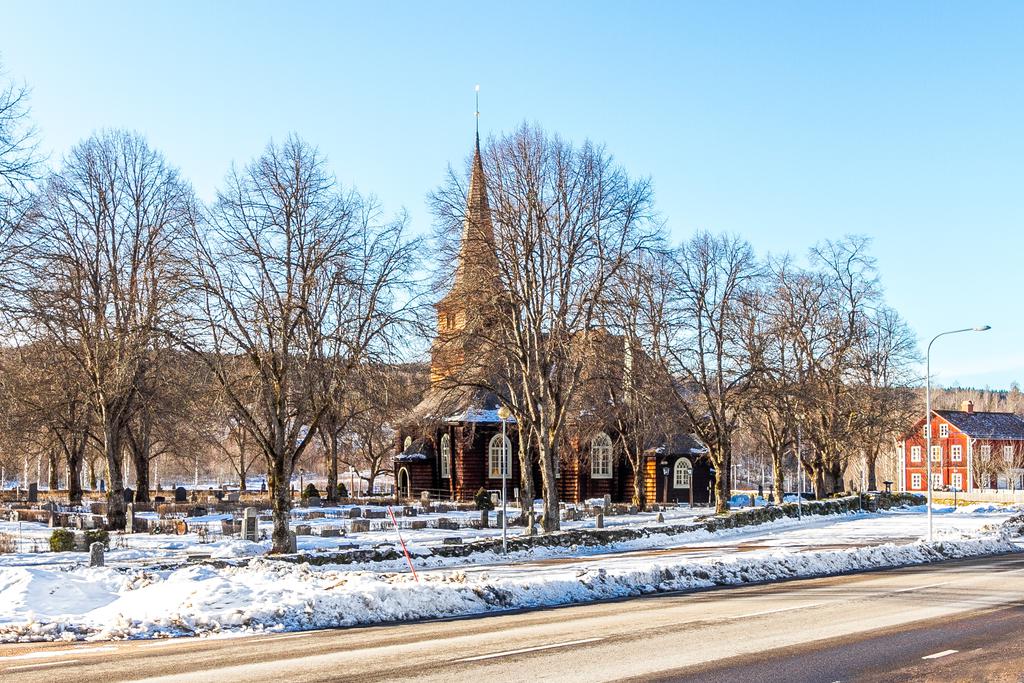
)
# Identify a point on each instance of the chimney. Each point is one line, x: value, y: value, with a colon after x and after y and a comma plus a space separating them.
x: 968, y: 407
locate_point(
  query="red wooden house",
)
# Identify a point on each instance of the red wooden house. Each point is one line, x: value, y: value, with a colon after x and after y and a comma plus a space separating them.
x: 969, y: 450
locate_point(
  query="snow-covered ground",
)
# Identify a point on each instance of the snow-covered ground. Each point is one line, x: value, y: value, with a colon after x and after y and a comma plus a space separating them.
x: 137, y: 549
x: 52, y: 602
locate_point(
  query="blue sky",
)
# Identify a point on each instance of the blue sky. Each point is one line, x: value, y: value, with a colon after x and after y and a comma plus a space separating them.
x: 785, y: 122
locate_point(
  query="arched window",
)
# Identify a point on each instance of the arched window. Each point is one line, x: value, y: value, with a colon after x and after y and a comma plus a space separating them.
x: 601, y: 456
x: 404, y: 489
x: 496, y: 463
x: 683, y: 474
x: 446, y: 457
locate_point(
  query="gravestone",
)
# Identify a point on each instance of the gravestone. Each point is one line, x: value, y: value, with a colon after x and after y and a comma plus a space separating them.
x: 661, y: 518
x: 303, y: 529
x: 599, y: 520
x: 376, y: 514
x: 330, y: 532
x: 129, y: 518
x: 159, y: 499
x: 33, y: 493
x: 313, y: 502
x: 232, y: 497
x: 360, y: 526
x: 219, y: 495
x: 485, y: 519
x: 408, y: 511
x: 316, y: 514
x: 655, y: 508
x: 96, y: 554
x: 499, y: 519
x: 129, y: 495
x: 607, y: 501
x: 354, y: 513
x: 180, y: 495
x: 449, y: 524
x: 418, y: 524
x: 293, y: 543
x: 250, y: 529
x: 632, y: 509
x: 452, y: 540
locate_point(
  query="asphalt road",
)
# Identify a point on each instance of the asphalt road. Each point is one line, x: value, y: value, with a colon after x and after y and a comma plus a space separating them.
x: 948, y: 622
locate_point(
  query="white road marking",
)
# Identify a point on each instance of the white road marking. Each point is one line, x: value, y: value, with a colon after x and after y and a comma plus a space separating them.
x: 940, y: 654
x: 520, y: 651
x: 283, y: 637
x: 164, y: 642
x: 26, y: 667
x: 781, y: 609
x: 42, y: 654
x: 920, y: 588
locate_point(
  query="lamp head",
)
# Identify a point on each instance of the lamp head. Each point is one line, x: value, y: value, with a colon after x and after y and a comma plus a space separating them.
x: 982, y: 328
x: 504, y: 412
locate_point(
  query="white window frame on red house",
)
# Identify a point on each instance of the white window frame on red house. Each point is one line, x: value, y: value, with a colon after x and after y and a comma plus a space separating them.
x: 936, y: 480
x: 601, y: 456
x: 924, y: 431
x: 915, y: 481
x: 956, y: 453
x: 1008, y: 453
x: 936, y: 453
x: 495, y: 462
x: 915, y: 454
x: 446, y: 456
x: 943, y: 431
x: 957, y: 481
x: 985, y: 452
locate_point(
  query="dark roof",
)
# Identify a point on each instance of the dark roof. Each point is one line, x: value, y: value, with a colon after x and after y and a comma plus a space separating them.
x: 417, y: 450
x: 681, y: 444
x: 981, y: 425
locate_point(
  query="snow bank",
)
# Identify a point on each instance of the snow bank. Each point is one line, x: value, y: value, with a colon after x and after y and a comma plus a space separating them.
x: 264, y: 595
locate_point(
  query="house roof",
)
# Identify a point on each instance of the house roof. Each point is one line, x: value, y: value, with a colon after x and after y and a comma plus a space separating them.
x: 681, y: 444
x: 982, y: 425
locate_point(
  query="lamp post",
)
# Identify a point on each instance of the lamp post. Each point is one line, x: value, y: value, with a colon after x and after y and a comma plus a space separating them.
x: 503, y: 415
x: 928, y: 413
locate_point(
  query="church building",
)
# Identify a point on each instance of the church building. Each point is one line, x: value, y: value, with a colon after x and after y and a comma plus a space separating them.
x: 452, y: 443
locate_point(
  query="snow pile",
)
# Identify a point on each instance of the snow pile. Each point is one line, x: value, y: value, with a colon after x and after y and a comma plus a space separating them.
x: 103, y: 603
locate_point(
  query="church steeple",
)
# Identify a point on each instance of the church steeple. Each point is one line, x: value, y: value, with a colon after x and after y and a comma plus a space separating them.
x: 467, y: 306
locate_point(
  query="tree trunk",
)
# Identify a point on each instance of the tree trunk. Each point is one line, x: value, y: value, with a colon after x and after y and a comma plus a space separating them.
x: 141, y: 477
x: 332, y: 467
x: 638, y: 462
x: 872, y: 462
x: 525, y: 479
x: 280, y: 504
x: 241, y: 470
x: 115, y: 482
x: 52, y: 471
x: 550, y: 521
x: 778, y: 477
x: 75, y: 456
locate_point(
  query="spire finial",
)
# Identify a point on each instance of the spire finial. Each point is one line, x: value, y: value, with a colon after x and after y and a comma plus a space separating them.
x: 478, y: 114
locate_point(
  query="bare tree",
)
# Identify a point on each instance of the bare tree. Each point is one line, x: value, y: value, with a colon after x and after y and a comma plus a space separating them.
x: 716, y: 277
x: 287, y: 308
x: 101, y: 274
x: 565, y: 221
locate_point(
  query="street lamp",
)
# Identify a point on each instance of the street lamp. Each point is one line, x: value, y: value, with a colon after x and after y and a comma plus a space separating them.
x: 503, y: 415
x: 928, y: 413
